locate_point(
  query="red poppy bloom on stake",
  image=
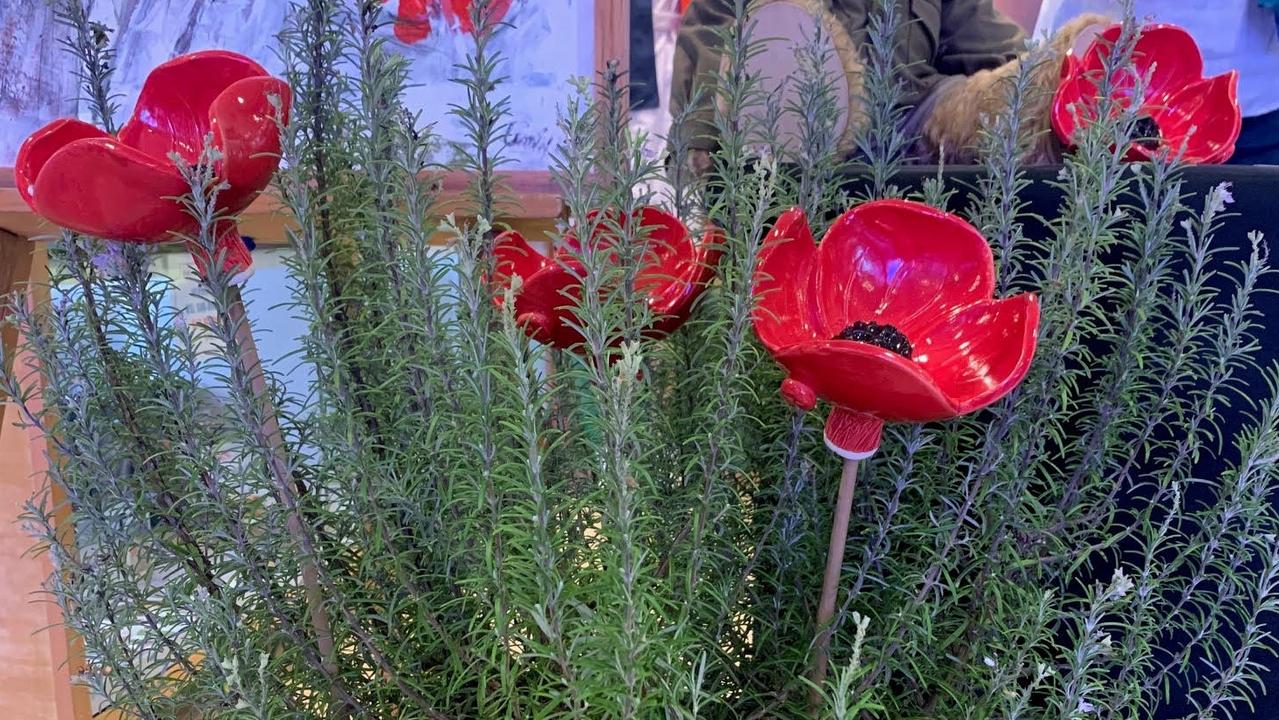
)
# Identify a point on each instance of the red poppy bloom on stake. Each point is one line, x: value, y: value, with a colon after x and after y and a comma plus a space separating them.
x: 890, y: 319
x: 676, y: 269
x: 1178, y: 104
x: 124, y: 187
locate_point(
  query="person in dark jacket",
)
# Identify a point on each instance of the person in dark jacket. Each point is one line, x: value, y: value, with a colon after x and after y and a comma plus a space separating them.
x: 953, y: 54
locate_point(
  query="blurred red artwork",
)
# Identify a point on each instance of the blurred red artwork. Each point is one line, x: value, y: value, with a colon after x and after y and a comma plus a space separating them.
x: 413, y: 17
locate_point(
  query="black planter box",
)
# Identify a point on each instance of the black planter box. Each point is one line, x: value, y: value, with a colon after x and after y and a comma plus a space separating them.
x: 1255, y: 208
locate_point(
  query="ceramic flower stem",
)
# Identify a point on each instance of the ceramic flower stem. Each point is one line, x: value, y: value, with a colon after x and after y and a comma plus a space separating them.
x: 830, y: 579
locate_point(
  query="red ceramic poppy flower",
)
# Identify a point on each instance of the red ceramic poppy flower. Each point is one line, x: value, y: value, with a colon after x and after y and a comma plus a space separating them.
x: 890, y: 319
x: 122, y: 187
x: 1178, y: 105
x: 676, y: 270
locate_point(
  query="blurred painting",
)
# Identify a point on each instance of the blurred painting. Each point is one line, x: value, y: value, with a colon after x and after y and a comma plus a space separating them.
x: 548, y: 43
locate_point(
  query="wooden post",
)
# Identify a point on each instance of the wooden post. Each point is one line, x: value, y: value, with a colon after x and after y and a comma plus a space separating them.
x: 612, y: 34
x: 41, y: 656
x: 15, y: 271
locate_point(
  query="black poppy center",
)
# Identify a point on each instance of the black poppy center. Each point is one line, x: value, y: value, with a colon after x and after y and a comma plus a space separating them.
x: 885, y: 336
x: 1146, y: 133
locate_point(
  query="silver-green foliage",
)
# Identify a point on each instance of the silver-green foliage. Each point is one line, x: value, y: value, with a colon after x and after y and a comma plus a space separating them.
x: 453, y: 522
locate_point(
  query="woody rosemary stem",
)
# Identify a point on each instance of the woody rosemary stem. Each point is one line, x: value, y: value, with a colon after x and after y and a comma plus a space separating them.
x: 830, y: 581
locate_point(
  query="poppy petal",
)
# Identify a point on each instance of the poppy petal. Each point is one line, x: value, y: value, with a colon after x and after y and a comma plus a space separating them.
x: 1167, y: 52
x: 515, y: 257
x: 172, y: 112
x: 1170, y: 55
x: 101, y: 187
x: 677, y: 269
x: 412, y: 22
x: 545, y: 302
x: 980, y: 353
x: 1206, y: 115
x: 784, y: 313
x: 867, y: 379
x: 669, y: 247
x: 672, y: 303
x: 665, y: 234
x: 245, y: 130
x: 605, y: 228
x: 41, y: 145
x: 902, y: 263
x: 1075, y: 101
x: 229, y: 248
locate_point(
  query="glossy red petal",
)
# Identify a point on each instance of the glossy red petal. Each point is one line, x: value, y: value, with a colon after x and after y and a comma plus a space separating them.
x: 669, y: 248
x: 545, y: 303
x: 1069, y: 67
x: 1206, y: 115
x: 673, y: 302
x: 1074, y: 102
x: 604, y: 225
x: 101, y: 187
x: 980, y: 353
x: 41, y: 145
x: 1170, y: 55
x: 665, y: 234
x: 785, y: 312
x: 172, y: 113
x: 1167, y: 52
x: 902, y: 263
x: 229, y: 248
x: 245, y: 130
x: 867, y: 379
x: 515, y: 257
x: 677, y: 268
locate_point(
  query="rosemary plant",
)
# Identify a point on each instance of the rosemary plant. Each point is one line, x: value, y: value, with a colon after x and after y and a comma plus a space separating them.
x: 449, y: 520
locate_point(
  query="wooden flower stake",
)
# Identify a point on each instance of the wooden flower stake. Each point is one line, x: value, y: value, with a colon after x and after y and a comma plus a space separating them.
x: 854, y: 437
x: 230, y: 255
x: 273, y: 439
x: 830, y: 579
